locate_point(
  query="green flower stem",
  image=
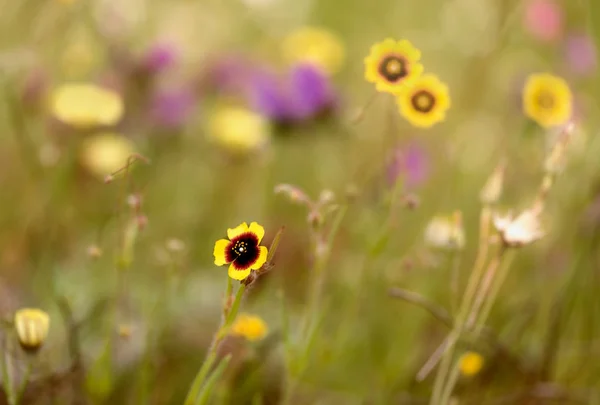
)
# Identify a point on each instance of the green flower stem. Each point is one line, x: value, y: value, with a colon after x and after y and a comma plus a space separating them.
x: 205, y: 394
x: 7, y: 373
x: 211, y: 356
x: 452, y: 379
x: 23, y: 386
x: 447, y: 348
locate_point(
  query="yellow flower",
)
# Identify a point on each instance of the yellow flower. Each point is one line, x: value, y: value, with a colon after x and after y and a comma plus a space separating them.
x: 105, y: 154
x: 250, y: 327
x: 317, y: 46
x: 242, y: 251
x: 392, y: 65
x: 470, y: 364
x: 238, y: 130
x: 84, y: 105
x: 425, y: 102
x: 547, y: 99
x: 32, y: 327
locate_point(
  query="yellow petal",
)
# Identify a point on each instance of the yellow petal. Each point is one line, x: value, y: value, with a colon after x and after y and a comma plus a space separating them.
x: 219, y: 252
x: 262, y: 258
x: 258, y: 230
x: 238, y: 230
x: 238, y: 274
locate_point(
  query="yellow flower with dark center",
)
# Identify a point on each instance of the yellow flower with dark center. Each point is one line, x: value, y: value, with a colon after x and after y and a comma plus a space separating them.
x: 242, y: 251
x: 32, y: 327
x: 251, y: 327
x: 84, y: 105
x: 315, y: 45
x: 547, y: 99
x: 425, y: 102
x: 470, y: 364
x: 104, y: 154
x: 392, y: 65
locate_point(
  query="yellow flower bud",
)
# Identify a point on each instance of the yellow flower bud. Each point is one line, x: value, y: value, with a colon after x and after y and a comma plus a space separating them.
x: 470, y: 364
x: 32, y: 327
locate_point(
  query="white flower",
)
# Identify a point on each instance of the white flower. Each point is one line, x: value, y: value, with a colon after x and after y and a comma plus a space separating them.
x: 519, y: 231
x: 445, y: 232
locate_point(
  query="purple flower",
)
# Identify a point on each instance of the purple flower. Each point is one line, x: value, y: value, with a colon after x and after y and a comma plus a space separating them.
x: 301, y: 95
x: 580, y: 54
x: 232, y: 73
x: 410, y: 162
x: 171, y: 108
x: 159, y: 58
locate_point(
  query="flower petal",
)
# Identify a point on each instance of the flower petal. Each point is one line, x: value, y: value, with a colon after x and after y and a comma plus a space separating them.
x: 238, y: 274
x: 220, y: 250
x: 262, y: 258
x: 258, y: 230
x: 237, y: 231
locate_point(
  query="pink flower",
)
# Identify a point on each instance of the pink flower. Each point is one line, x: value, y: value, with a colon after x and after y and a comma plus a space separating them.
x: 580, y: 54
x: 544, y: 20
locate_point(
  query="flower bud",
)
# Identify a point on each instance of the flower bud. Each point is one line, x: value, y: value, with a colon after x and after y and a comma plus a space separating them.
x: 32, y: 327
x: 490, y: 194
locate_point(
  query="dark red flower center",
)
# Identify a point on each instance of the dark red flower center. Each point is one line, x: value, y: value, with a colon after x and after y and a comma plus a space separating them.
x: 393, y: 68
x: 243, y: 251
x: 423, y: 101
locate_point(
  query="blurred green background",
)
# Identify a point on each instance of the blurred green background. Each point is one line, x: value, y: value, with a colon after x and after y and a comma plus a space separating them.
x: 125, y: 269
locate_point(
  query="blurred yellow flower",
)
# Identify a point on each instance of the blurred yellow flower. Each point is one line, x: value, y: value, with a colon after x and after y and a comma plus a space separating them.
x: 251, y: 327
x: 470, y: 364
x: 85, y: 105
x: 238, y: 130
x: 32, y: 327
x: 425, y: 102
x: 547, y: 99
x: 314, y: 45
x: 242, y: 250
x: 392, y: 65
x: 105, y: 153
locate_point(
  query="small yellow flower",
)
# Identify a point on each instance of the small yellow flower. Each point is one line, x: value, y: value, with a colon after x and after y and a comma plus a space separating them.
x: 470, y: 364
x: 238, y: 130
x: 251, y: 327
x: 106, y: 153
x: 84, y: 105
x: 315, y: 45
x: 32, y: 327
x: 242, y: 251
x: 547, y: 99
x: 392, y: 65
x: 425, y: 102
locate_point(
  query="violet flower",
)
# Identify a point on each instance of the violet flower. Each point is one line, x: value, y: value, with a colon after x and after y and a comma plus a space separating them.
x: 171, y: 108
x: 410, y: 162
x: 580, y: 54
x: 158, y: 58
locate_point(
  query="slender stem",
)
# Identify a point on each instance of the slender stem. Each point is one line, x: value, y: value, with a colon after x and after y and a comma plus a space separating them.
x: 474, y: 280
x: 23, y: 386
x: 204, y: 395
x: 493, y: 294
x: 211, y: 355
x: 435, y: 310
x: 452, y: 379
x: 7, y: 373
x: 486, y: 285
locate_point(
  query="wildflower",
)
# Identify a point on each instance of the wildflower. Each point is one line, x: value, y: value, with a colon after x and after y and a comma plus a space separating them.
x: 303, y: 94
x: 392, y: 64
x: 251, y: 327
x: 580, y: 54
x: 32, y: 326
x: 171, y: 108
x: 84, y: 105
x: 106, y: 153
x: 519, y: 231
x: 316, y: 46
x: 547, y: 99
x: 493, y: 187
x: 411, y: 162
x: 294, y: 193
x: 158, y: 58
x: 470, y: 363
x: 94, y: 251
x: 425, y: 102
x: 242, y: 251
x: 446, y: 232
x: 238, y: 130
x: 544, y: 19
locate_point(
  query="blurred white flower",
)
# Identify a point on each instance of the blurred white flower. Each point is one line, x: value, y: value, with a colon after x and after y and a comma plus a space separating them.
x: 519, y: 231
x: 446, y: 232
